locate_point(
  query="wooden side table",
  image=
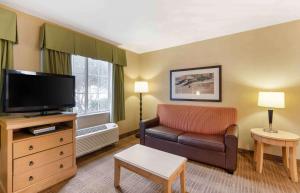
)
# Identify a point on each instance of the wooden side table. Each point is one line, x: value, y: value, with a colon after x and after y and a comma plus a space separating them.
x: 288, y: 141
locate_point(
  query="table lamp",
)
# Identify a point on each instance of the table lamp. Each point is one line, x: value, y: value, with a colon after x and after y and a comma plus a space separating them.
x: 271, y: 100
x: 141, y: 87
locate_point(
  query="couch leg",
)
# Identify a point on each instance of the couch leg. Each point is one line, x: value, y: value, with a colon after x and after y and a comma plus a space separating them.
x: 230, y: 172
x: 142, y: 141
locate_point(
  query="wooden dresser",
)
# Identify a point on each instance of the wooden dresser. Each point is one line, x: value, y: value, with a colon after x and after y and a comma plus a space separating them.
x: 28, y: 163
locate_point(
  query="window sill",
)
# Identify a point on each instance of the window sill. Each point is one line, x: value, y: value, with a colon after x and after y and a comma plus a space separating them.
x: 92, y: 114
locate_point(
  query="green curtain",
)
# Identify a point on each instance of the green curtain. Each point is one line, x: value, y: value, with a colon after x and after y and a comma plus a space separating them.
x: 104, y: 51
x: 85, y: 46
x: 6, y: 54
x: 118, y: 102
x: 56, y: 38
x: 57, y: 62
x: 60, y: 39
x: 119, y: 56
x: 6, y: 61
x: 59, y: 43
x: 8, y: 25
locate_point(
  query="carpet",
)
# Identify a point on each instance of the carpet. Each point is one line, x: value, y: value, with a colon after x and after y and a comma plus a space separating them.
x: 95, y: 175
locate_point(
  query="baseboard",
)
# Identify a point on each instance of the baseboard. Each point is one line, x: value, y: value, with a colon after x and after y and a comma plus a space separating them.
x: 129, y: 133
x: 267, y: 156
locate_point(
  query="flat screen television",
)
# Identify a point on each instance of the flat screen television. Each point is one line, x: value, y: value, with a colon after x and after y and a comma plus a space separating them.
x: 25, y: 91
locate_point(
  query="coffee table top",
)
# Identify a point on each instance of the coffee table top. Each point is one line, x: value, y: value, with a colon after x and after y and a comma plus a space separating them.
x: 154, y: 161
x: 281, y: 135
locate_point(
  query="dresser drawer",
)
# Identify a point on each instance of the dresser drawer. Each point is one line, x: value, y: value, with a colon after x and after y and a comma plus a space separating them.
x: 34, y: 176
x: 33, y: 161
x: 41, y: 143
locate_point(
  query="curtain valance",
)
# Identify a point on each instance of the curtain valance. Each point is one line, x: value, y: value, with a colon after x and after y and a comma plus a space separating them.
x: 119, y: 57
x: 104, y: 51
x: 8, y: 25
x: 85, y: 46
x: 57, y: 38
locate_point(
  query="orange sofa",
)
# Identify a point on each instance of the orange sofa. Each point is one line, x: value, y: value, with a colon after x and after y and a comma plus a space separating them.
x: 204, y: 134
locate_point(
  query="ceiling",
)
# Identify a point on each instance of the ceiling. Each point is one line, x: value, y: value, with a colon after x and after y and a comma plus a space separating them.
x: 148, y: 25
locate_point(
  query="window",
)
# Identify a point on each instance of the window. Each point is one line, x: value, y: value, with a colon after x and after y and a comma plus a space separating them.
x: 93, y: 85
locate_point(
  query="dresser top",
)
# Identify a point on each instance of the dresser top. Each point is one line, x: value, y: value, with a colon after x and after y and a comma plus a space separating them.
x: 17, y: 122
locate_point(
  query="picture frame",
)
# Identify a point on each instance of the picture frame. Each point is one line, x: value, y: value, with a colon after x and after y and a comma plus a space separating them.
x: 196, y: 84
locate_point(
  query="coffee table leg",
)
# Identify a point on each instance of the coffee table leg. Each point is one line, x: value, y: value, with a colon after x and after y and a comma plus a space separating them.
x: 182, y: 179
x: 293, y: 164
x: 260, y: 156
x: 117, y: 173
x: 167, y: 187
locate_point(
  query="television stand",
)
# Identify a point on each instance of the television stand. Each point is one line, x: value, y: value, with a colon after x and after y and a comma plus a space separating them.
x: 30, y: 163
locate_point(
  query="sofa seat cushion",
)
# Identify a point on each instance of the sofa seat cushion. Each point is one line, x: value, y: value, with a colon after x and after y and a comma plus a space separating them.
x: 203, y: 141
x: 163, y: 132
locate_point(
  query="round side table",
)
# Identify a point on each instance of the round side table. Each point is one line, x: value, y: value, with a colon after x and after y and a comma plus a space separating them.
x: 288, y: 141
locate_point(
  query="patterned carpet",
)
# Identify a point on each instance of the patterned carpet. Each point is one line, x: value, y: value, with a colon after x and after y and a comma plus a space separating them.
x: 95, y: 175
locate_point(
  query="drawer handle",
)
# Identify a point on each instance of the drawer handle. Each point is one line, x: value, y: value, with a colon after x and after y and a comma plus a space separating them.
x: 61, y: 153
x: 31, y: 163
x: 30, y: 147
x: 61, y: 166
x: 61, y: 139
x: 30, y: 178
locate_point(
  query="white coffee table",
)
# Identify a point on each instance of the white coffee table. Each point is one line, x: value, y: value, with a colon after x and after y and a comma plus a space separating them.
x: 156, y: 165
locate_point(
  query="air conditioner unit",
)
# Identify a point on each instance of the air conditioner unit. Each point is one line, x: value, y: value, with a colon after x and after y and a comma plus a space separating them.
x: 94, y: 138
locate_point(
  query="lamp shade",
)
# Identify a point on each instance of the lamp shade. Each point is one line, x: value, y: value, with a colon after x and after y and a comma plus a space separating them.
x: 271, y: 99
x: 141, y: 87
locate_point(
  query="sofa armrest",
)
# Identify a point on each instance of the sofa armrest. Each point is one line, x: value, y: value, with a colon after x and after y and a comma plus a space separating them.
x: 231, y: 144
x: 145, y: 124
x: 232, y: 132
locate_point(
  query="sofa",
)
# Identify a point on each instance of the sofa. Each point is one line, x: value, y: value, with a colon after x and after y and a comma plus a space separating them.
x: 204, y: 134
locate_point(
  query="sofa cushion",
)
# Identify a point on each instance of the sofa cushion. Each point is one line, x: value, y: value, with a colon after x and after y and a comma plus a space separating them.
x: 197, y: 119
x: 164, y: 133
x: 203, y: 141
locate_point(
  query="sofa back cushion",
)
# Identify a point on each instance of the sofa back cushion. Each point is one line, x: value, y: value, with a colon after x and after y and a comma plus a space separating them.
x: 197, y: 119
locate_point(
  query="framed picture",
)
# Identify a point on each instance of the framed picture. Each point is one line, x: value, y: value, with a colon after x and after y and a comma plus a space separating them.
x: 196, y: 84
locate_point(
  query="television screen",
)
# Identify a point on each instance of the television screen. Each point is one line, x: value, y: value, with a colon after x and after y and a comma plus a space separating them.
x: 31, y: 91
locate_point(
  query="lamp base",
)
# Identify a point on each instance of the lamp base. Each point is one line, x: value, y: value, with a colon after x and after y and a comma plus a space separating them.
x: 270, y: 130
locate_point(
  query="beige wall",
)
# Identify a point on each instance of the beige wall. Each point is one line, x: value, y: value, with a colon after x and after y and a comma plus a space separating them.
x: 263, y: 59
x: 27, y: 57
x: 131, y: 99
